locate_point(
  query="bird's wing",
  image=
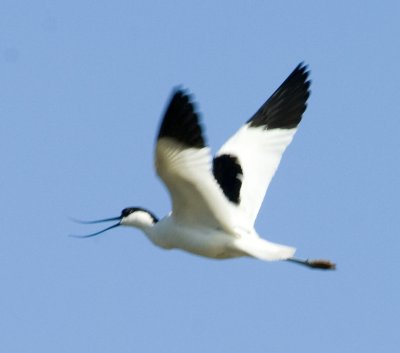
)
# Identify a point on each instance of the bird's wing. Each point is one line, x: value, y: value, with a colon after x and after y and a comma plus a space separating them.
x: 246, y: 163
x: 183, y: 162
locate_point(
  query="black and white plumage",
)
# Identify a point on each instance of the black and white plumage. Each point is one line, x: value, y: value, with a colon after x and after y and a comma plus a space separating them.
x: 215, y: 201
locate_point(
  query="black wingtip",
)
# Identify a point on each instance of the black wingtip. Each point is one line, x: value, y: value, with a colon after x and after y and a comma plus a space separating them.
x: 285, y: 108
x: 181, y: 121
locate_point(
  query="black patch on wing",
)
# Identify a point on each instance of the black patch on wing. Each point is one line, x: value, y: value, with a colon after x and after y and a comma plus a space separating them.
x: 228, y: 173
x: 181, y: 122
x: 284, y: 109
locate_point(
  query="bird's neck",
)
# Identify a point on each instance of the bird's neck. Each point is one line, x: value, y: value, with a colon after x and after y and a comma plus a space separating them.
x: 145, y: 221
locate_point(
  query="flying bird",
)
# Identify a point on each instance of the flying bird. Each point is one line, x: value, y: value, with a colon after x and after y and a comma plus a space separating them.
x: 215, y: 201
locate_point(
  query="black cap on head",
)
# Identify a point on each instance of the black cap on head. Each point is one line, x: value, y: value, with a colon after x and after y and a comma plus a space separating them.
x: 127, y: 211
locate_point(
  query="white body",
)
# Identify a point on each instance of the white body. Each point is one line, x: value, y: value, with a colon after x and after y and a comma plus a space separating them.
x: 201, y: 241
x: 215, y: 202
x: 169, y: 233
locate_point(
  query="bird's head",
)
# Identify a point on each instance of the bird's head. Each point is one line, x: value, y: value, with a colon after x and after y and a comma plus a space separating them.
x: 131, y: 216
x: 137, y: 217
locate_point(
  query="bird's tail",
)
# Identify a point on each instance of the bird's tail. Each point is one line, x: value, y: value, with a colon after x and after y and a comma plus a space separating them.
x: 264, y: 250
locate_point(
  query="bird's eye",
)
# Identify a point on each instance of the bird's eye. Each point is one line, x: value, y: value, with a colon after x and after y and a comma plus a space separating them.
x: 127, y: 211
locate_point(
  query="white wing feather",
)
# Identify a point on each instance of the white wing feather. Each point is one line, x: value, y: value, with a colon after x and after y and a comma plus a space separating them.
x: 231, y: 198
x: 196, y: 196
x: 259, y: 152
x: 259, y: 145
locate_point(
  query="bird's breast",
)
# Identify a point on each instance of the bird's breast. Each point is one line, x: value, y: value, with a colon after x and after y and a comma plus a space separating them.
x: 197, y: 240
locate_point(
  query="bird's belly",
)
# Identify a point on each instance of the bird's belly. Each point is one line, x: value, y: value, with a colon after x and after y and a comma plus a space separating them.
x: 203, y: 242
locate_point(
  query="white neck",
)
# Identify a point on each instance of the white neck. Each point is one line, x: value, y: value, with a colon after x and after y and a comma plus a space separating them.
x: 145, y: 221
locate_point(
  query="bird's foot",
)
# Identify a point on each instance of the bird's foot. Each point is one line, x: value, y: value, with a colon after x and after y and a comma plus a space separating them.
x: 316, y: 264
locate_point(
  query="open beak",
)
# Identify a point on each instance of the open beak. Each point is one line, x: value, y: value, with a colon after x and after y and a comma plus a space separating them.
x: 98, y: 221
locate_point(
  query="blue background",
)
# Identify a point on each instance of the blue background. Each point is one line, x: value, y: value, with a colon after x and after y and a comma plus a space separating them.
x: 83, y: 85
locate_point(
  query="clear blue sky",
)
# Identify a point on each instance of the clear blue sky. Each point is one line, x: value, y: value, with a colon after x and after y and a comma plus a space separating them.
x: 82, y: 88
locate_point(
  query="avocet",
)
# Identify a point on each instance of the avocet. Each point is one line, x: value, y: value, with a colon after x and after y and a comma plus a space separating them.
x: 215, y: 201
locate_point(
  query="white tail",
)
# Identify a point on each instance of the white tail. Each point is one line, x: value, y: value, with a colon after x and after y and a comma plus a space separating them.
x: 265, y: 250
